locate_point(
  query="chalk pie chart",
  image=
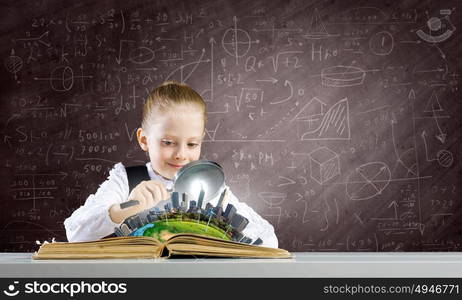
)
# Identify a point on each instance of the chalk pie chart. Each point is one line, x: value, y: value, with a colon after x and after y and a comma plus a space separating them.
x: 368, y: 181
x: 342, y: 76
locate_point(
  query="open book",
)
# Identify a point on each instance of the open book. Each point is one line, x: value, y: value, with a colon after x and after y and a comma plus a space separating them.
x: 149, y: 247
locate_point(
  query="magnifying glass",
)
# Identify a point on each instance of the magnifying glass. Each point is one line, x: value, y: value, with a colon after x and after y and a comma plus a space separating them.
x: 202, y: 180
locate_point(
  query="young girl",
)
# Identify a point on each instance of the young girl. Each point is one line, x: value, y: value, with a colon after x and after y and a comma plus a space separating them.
x: 171, y: 132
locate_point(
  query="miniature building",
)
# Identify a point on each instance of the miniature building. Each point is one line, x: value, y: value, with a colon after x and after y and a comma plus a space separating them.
x: 184, y: 202
x: 175, y: 200
x: 208, y: 207
x: 239, y: 222
x: 246, y: 240
x: 230, y: 211
x: 220, y: 201
x: 218, y: 212
x: 258, y: 242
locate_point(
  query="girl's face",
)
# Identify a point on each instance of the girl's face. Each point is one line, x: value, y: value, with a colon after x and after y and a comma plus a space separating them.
x: 173, y: 138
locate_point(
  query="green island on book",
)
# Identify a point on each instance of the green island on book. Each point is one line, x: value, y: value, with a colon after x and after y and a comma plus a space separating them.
x: 163, y: 229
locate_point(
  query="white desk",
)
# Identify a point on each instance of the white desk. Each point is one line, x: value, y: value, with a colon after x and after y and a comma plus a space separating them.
x: 302, y: 265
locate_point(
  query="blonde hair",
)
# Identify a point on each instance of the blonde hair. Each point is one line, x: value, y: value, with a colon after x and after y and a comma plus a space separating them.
x: 168, y: 94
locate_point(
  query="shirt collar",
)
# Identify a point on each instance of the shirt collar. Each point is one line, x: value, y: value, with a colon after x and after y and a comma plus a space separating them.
x: 155, y: 176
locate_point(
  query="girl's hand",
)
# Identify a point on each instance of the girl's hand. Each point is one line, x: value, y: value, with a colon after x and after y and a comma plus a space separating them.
x: 148, y: 193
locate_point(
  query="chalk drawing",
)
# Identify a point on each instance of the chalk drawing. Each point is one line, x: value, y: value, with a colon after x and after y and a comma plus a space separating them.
x: 324, y: 164
x: 368, y: 180
x: 314, y: 124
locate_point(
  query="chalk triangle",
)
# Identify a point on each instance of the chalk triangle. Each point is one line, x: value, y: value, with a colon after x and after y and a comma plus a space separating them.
x: 433, y: 104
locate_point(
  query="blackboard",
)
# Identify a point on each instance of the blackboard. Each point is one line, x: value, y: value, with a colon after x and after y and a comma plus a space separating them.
x: 338, y: 121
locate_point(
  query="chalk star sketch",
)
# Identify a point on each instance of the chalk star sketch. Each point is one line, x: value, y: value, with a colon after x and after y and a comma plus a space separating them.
x: 367, y: 181
x: 315, y: 124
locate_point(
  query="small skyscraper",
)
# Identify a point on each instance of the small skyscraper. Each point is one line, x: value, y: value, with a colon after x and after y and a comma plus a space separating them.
x: 229, y: 212
x: 175, y: 200
x: 184, y: 202
x: 200, y: 200
x: 239, y: 222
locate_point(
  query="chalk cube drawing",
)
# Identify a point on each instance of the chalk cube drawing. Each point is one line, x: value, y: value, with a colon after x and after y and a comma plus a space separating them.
x: 325, y: 164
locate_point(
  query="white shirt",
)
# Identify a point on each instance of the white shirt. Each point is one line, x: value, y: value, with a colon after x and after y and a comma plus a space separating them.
x: 91, y: 221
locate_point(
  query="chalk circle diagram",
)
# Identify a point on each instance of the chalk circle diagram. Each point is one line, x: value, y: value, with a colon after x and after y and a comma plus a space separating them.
x: 272, y: 198
x: 381, y: 43
x: 445, y: 158
x: 438, y: 29
x: 61, y: 78
x: 367, y: 181
x: 342, y: 76
x: 236, y: 41
x: 141, y: 55
x: 13, y: 64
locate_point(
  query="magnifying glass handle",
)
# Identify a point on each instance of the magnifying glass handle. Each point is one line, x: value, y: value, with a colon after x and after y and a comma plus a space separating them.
x: 129, y: 203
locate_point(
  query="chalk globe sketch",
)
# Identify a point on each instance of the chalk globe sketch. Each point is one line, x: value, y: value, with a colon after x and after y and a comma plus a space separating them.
x: 13, y: 64
x: 368, y: 181
x: 236, y: 42
x: 141, y: 55
x: 445, y: 158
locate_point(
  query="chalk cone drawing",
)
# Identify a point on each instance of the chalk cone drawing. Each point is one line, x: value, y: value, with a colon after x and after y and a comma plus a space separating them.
x: 317, y: 29
x: 273, y: 200
x: 433, y: 104
x: 434, y: 107
x: 342, y: 76
x: 315, y: 124
x: 367, y: 181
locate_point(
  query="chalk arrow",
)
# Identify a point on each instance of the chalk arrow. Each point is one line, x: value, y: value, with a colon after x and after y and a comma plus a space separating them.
x: 421, y: 228
x: 441, y: 137
x: 271, y: 79
x: 288, y: 181
x: 395, y: 207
